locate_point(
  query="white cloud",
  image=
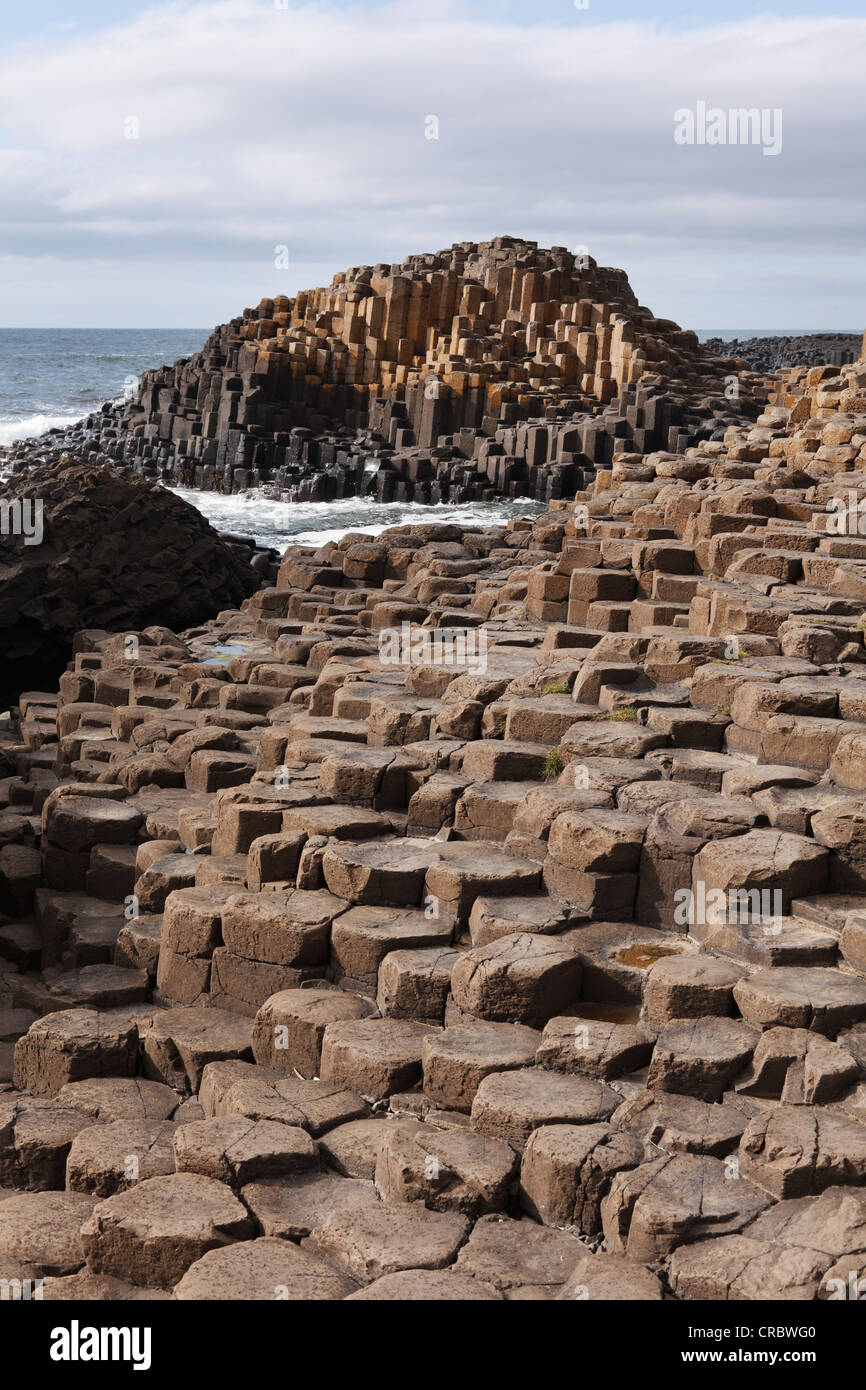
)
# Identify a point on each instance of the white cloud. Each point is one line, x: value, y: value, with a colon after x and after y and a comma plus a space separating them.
x: 305, y: 126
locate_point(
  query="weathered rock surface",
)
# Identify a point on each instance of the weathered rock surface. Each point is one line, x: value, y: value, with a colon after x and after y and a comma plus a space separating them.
x: 524, y: 961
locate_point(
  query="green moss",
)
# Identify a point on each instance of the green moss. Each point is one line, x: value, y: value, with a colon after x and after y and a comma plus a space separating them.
x: 553, y: 766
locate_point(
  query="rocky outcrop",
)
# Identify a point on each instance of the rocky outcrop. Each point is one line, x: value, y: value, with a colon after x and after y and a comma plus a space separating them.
x: 802, y: 350
x: 89, y: 546
x: 475, y: 914
x: 488, y: 370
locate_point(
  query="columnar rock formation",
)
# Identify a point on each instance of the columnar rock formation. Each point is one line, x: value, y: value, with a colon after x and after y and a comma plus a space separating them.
x: 473, y: 915
x: 498, y: 369
x: 790, y: 350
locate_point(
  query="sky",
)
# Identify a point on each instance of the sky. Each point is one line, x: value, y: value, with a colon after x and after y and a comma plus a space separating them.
x: 165, y: 165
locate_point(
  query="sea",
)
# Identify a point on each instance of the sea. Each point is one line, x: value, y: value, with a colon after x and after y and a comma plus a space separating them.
x: 49, y: 378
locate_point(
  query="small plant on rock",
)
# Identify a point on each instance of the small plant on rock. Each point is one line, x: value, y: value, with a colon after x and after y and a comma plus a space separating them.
x: 553, y: 766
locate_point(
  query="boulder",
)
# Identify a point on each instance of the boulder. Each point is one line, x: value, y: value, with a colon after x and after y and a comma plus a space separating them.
x: 139, y: 555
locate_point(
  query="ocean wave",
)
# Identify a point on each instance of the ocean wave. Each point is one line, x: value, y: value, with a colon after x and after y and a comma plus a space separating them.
x: 31, y: 426
x: 280, y: 524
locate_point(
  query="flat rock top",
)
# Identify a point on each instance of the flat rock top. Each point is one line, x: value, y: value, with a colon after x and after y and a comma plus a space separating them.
x: 43, y: 1228
x: 544, y: 1097
x: 80, y: 1026
x: 266, y: 1268
x: 509, y: 1044
x: 291, y: 1207
x: 388, y: 1038
x: 517, y: 1254
x: 427, y: 1286
x: 120, y: 1098
x: 205, y: 1027
x: 815, y: 997
x: 368, y: 1243
x: 177, y: 1206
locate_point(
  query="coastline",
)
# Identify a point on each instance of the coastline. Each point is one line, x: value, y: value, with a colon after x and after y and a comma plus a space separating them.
x: 275, y: 521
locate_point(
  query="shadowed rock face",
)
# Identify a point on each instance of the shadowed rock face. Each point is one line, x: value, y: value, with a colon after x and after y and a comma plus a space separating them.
x: 115, y: 553
x: 789, y: 350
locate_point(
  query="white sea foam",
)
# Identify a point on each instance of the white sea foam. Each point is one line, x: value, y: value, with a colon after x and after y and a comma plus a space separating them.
x: 279, y: 524
x: 31, y: 426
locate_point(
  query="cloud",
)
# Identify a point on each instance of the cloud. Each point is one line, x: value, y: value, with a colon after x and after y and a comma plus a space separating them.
x: 261, y: 126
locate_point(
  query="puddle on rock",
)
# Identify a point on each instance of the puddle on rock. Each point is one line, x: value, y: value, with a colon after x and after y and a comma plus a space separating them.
x: 643, y: 954
x: 224, y: 653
